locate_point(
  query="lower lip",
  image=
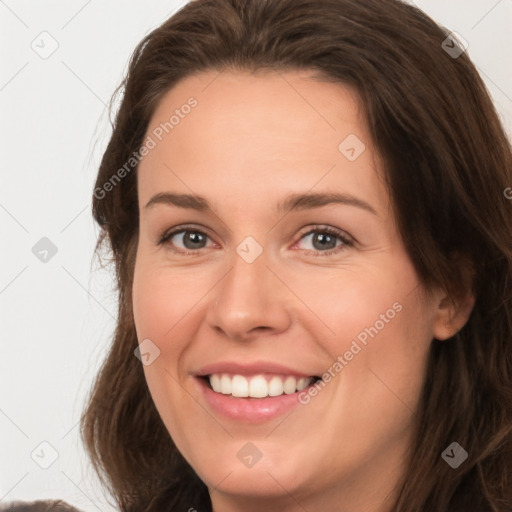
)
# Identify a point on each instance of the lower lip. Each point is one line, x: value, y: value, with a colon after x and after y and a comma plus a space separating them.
x: 248, y: 409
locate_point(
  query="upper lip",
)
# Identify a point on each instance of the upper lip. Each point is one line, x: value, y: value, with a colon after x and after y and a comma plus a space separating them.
x: 247, y: 368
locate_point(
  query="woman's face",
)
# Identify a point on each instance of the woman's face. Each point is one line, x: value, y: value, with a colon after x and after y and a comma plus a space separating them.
x: 251, y: 294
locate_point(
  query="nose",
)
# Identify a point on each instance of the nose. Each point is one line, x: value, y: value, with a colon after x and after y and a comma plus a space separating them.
x: 249, y: 300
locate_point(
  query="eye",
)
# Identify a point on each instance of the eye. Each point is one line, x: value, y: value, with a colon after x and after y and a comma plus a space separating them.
x: 324, y: 240
x: 191, y: 238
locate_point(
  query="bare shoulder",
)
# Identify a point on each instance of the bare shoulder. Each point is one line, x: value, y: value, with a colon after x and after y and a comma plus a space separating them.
x: 38, y: 506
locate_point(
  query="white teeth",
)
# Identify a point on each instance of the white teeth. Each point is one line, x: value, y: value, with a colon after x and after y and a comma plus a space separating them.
x: 239, y: 386
x: 257, y: 386
x: 225, y: 385
x: 290, y: 385
x: 215, y: 382
x: 303, y: 383
x: 275, y: 386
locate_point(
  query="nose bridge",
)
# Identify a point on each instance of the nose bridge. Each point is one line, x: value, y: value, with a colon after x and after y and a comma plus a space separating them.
x: 249, y: 296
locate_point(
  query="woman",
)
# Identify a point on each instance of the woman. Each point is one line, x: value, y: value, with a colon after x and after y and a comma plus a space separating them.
x: 305, y: 203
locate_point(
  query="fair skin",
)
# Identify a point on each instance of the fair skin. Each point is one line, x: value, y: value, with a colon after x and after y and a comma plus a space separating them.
x: 251, y: 141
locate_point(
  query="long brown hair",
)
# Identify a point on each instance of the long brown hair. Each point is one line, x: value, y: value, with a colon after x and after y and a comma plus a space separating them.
x: 448, y: 167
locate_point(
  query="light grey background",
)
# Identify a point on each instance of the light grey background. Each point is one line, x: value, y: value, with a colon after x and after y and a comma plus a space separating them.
x: 58, y: 316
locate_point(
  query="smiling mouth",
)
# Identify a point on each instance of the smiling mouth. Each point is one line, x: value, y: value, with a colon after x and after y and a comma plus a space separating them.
x: 257, y: 386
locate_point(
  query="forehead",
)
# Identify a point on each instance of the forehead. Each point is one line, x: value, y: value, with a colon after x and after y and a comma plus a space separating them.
x: 279, y: 129
x: 292, y: 104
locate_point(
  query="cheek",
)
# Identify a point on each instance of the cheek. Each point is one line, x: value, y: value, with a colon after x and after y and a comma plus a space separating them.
x: 166, y: 305
x: 162, y: 300
x: 157, y: 310
x: 386, y: 349
x: 354, y: 302
x: 161, y: 306
x: 381, y: 327
x: 402, y: 353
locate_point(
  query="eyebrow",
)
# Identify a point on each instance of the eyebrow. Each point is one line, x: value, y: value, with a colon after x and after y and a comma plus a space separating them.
x: 290, y: 203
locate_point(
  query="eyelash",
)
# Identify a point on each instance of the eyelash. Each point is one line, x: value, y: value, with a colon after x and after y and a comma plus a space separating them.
x: 347, y: 242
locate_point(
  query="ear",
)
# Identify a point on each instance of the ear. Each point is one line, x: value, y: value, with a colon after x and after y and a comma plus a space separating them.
x: 452, y: 311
